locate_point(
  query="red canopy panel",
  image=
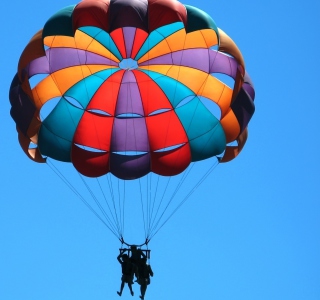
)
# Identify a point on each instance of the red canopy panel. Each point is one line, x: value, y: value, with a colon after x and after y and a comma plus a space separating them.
x: 92, y: 13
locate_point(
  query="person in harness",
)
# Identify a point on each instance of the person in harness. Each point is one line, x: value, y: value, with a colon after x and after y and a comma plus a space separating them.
x: 144, y: 271
x: 127, y: 268
x: 136, y: 258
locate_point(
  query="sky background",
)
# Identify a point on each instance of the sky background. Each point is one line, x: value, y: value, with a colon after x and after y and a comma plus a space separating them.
x: 251, y: 231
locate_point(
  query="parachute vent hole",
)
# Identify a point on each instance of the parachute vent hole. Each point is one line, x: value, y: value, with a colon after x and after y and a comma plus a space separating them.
x: 215, y: 47
x: 36, y: 79
x: 227, y: 80
x: 211, y: 106
x: 128, y: 116
x: 159, y: 111
x: 170, y: 148
x: 130, y: 153
x: 73, y: 102
x: 233, y: 144
x: 99, y: 112
x: 90, y: 149
x: 186, y: 100
x: 220, y: 156
x: 48, y: 107
x: 128, y: 64
x: 33, y: 145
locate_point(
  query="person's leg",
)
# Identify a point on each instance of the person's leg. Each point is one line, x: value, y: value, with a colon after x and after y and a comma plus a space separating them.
x: 130, y: 288
x: 121, y: 288
x: 143, y: 289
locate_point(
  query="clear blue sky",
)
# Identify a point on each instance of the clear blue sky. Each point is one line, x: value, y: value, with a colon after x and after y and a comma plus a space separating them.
x: 250, y: 232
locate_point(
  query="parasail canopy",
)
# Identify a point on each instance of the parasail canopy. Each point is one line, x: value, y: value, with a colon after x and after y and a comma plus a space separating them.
x: 130, y: 87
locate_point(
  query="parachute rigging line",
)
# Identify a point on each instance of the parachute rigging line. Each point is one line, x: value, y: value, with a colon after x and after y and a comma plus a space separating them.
x: 74, y: 190
x: 113, y: 215
x: 143, y: 213
x: 152, y: 225
x: 104, y: 75
x: 184, y: 177
x: 155, y: 231
x: 99, y: 204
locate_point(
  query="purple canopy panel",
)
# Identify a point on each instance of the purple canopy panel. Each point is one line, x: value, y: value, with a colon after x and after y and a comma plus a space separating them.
x: 129, y: 98
x: 130, y: 142
x: 160, y: 60
x: 243, y: 108
x: 129, y: 34
x: 38, y: 66
x: 61, y: 58
x: 22, y: 110
x: 249, y: 89
x: 95, y: 59
x: 129, y: 167
x: 193, y: 58
x: 129, y: 134
x: 221, y: 63
x: 248, y: 86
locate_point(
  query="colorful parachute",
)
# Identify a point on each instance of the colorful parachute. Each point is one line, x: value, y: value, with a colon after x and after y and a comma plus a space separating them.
x: 135, y: 88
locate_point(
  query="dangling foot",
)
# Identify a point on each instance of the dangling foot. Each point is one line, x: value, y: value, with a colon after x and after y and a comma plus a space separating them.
x: 119, y: 294
x: 132, y: 293
x: 141, y: 297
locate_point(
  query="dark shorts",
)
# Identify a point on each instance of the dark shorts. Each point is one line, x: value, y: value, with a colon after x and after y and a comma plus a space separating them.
x: 144, y: 281
x: 126, y: 278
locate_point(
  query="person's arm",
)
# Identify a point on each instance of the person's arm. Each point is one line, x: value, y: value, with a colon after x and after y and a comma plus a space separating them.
x: 118, y: 258
x: 150, y: 271
x: 122, y: 251
x: 142, y: 254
